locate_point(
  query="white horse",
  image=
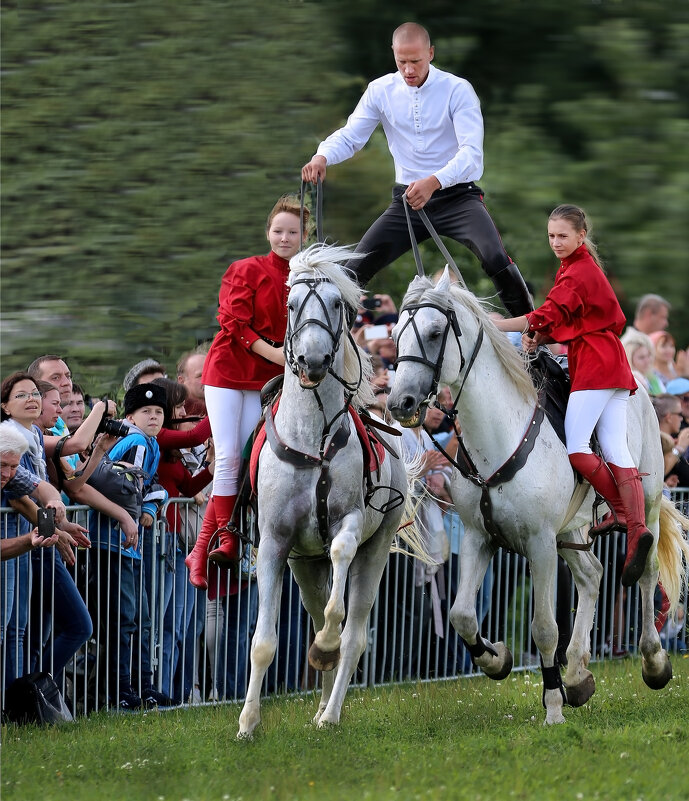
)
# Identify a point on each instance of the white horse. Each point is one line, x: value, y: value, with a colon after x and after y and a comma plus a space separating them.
x: 315, y: 508
x: 444, y: 335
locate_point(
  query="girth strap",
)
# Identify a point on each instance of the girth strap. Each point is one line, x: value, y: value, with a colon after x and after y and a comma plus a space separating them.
x: 506, y: 472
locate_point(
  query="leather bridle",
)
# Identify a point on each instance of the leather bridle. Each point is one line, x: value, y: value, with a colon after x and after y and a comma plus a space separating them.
x: 436, y: 365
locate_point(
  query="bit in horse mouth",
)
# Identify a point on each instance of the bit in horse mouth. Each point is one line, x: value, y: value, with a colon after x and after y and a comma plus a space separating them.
x: 413, y: 421
x: 305, y: 382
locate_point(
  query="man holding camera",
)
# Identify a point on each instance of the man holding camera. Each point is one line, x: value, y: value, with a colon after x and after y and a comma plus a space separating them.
x: 434, y: 128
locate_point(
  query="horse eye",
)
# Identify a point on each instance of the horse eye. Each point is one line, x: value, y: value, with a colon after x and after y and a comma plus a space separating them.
x: 290, y: 307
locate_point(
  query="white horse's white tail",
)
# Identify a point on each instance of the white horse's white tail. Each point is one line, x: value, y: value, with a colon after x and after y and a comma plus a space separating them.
x: 409, y: 531
x: 673, y: 551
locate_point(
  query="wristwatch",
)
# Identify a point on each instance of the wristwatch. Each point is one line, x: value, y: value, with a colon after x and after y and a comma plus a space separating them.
x: 675, y: 452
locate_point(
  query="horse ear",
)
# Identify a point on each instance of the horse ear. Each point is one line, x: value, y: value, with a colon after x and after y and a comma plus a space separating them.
x: 443, y: 284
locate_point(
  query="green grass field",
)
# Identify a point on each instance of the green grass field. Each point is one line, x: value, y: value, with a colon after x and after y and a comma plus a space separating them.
x: 468, y: 739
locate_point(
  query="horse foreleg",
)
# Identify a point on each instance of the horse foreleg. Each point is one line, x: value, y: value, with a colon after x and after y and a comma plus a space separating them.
x: 655, y: 662
x: 324, y: 654
x: 364, y: 578
x: 495, y: 660
x: 313, y: 578
x: 587, y: 571
x: 543, y: 563
x: 270, y: 565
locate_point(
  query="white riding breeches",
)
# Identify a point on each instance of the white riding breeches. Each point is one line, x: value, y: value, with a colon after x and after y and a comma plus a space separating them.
x: 233, y: 416
x: 606, y: 411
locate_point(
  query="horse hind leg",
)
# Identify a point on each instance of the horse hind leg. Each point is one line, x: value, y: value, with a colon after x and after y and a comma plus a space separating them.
x: 364, y: 579
x: 313, y: 578
x: 656, y: 668
x: 587, y: 571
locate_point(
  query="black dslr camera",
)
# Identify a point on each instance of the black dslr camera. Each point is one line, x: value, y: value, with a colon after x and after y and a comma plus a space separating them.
x: 46, y: 521
x: 115, y: 428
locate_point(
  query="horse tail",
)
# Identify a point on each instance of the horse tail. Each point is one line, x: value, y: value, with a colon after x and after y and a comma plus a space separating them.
x: 410, y: 538
x: 673, y: 551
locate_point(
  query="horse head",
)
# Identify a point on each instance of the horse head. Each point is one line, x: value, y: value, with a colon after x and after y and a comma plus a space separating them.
x: 429, y: 348
x: 315, y: 323
x: 323, y: 294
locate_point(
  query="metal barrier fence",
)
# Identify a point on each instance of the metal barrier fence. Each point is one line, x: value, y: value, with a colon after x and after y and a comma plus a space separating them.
x: 151, y: 626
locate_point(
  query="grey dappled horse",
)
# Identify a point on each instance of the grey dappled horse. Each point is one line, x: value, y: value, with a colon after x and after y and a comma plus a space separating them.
x: 444, y: 335
x: 314, y: 531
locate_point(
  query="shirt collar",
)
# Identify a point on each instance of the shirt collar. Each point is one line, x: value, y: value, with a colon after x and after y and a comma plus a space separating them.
x: 579, y: 253
x: 432, y: 75
x: 278, y: 261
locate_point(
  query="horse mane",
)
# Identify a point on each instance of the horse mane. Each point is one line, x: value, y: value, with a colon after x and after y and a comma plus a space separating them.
x: 325, y: 262
x: 422, y: 288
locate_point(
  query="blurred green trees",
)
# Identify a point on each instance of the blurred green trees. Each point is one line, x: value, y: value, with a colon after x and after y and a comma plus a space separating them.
x: 143, y: 144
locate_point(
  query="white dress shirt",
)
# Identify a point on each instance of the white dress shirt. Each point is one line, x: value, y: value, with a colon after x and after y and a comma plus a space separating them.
x: 434, y: 129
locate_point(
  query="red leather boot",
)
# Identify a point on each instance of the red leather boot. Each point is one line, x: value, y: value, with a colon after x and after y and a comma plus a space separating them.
x: 197, y: 560
x: 596, y: 472
x: 639, y: 538
x: 229, y: 548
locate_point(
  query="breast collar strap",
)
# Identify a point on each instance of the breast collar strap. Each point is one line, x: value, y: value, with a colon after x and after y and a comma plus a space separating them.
x: 506, y: 472
x: 303, y: 461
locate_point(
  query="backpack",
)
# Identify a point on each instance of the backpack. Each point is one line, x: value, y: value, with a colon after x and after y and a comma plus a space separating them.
x: 35, y: 698
x: 121, y: 483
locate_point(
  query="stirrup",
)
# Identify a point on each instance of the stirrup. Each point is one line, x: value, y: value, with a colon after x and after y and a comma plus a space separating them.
x: 216, y: 536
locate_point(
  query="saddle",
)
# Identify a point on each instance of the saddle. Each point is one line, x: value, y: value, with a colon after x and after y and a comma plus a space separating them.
x: 550, y: 376
x: 373, y: 448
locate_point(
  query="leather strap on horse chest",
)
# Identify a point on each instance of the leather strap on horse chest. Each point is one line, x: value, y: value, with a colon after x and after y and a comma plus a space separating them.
x: 505, y: 473
x: 303, y: 460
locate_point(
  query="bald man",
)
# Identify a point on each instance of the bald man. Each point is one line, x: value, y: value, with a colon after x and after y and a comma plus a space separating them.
x: 434, y: 128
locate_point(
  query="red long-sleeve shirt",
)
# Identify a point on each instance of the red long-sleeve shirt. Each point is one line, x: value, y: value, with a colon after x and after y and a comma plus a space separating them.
x: 253, y: 305
x: 169, y: 438
x: 582, y: 311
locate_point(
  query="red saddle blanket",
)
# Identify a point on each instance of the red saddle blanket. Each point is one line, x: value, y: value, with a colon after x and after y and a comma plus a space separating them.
x: 374, y: 452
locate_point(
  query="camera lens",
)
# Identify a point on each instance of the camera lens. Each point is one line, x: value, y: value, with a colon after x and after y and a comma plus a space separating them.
x: 115, y: 428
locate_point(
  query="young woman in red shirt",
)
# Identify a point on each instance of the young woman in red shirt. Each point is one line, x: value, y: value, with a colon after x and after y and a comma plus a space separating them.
x: 245, y: 354
x: 582, y: 311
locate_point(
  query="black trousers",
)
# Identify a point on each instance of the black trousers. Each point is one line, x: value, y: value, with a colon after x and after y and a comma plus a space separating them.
x: 457, y: 212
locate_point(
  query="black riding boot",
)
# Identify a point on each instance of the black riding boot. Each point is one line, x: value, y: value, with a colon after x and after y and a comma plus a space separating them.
x: 512, y: 290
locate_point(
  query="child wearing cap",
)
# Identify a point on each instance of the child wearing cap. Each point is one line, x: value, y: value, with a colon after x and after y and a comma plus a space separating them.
x: 117, y: 576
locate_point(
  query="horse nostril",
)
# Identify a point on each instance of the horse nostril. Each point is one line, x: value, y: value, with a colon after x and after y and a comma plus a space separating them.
x: 327, y: 361
x: 407, y: 404
x: 301, y: 361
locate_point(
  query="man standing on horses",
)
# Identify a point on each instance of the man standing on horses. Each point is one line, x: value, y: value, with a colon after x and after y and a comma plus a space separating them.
x: 433, y: 124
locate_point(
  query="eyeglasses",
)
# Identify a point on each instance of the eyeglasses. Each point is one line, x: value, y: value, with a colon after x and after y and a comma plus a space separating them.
x: 684, y: 398
x: 24, y: 395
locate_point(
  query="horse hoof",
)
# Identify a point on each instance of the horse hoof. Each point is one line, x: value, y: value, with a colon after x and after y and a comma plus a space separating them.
x: 579, y: 694
x: 658, y: 680
x: 504, y: 666
x: 323, y: 660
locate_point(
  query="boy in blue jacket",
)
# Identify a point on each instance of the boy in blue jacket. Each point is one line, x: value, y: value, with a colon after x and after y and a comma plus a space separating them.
x: 122, y: 600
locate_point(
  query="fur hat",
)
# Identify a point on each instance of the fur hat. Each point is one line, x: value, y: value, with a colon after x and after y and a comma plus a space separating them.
x: 144, y: 395
x: 135, y: 372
